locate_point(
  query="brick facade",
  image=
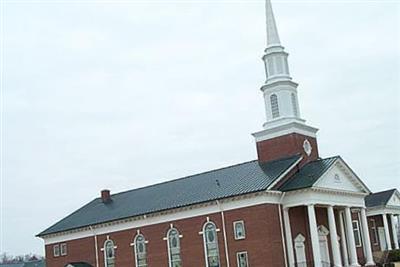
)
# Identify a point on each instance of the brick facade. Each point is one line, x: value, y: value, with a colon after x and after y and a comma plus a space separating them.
x: 263, y: 241
x: 286, y: 145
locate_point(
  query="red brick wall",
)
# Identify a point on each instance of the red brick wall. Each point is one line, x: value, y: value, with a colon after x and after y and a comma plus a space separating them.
x: 299, y: 225
x: 286, y: 145
x: 263, y: 241
x: 378, y: 223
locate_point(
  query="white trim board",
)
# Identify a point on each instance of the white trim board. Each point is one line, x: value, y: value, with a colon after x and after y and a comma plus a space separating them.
x: 322, y: 196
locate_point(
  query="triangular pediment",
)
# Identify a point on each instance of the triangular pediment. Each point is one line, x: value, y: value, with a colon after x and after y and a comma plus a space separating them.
x: 394, y: 199
x: 340, y: 177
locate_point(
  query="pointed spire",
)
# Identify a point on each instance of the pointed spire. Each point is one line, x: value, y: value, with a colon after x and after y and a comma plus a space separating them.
x: 272, y: 31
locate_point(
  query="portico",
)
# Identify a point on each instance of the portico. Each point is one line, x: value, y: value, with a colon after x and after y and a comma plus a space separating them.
x: 330, y: 204
x: 384, y: 207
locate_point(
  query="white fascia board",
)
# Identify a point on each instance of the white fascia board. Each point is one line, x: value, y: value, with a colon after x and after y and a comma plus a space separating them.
x: 267, y: 197
x: 287, y: 128
x: 380, y: 210
x: 278, y: 80
x: 317, y: 196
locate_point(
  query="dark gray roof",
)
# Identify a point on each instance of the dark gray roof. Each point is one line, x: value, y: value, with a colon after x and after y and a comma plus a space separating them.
x: 230, y: 181
x: 308, y: 174
x: 379, y: 198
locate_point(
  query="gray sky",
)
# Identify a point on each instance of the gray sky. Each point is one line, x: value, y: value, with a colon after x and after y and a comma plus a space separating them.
x: 126, y: 94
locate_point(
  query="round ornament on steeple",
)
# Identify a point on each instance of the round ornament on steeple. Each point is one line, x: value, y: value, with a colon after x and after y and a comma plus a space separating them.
x: 307, y: 147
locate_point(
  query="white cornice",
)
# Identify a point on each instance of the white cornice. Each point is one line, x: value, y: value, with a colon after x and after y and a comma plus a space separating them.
x: 278, y: 80
x: 380, y: 210
x: 293, y: 126
x: 323, y: 196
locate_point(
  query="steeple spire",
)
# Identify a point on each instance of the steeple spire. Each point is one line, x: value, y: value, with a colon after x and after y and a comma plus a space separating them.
x: 272, y: 31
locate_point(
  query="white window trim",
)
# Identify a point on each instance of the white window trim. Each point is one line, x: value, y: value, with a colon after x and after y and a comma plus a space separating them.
x: 375, y: 231
x: 205, y: 241
x: 63, y: 253
x: 357, y: 229
x: 237, y: 257
x: 133, y: 244
x: 234, y: 230
x: 56, y: 250
x: 168, y: 247
x: 104, y: 250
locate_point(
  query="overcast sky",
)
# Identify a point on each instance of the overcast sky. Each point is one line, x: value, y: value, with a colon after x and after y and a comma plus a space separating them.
x: 125, y: 94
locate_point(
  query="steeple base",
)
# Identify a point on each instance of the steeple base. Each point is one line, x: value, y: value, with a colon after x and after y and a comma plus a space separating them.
x: 287, y: 140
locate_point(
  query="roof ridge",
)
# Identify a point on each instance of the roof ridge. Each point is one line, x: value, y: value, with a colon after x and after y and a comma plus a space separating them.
x: 184, y: 177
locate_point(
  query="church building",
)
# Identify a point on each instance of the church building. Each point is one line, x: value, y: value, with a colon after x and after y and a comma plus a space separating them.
x: 287, y: 208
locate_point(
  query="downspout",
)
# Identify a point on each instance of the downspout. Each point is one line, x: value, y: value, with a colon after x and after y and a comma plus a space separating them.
x: 224, y: 232
x: 282, y: 230
x: 95, y: 246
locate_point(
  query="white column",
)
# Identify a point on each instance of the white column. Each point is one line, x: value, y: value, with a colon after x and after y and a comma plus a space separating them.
x: 394, y: 231
x: 314, y: 236
x: 387, y: 234
x: 350, y: 237
x: 334, y: 241
x: 366, y: 239
x: 289, y: 239
x: 343, y: 241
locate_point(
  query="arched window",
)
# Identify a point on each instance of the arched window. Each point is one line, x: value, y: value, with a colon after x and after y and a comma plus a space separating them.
x: 174, y: 248
x: 109, y: 253
x: 140, y: 251
x: 211, y: 244
x: 294, y: 105
x: 274, y: 105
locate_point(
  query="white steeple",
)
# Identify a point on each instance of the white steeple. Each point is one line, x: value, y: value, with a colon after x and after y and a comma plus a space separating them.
x: 280, y: 92
x: 272, y: 31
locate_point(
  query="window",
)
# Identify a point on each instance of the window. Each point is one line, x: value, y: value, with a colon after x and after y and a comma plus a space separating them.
x: 242, y: 260
x: 109, y: 253
x: 140, y: 251
x: 63, y: 249
x: 294, y: 105
x: 240, y: 232
x: 374, y: 232
x: 357, y: 234
x: 56, y: 250
x: 211, y: 244
x: 274, y: 106
x: 174, y: 248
